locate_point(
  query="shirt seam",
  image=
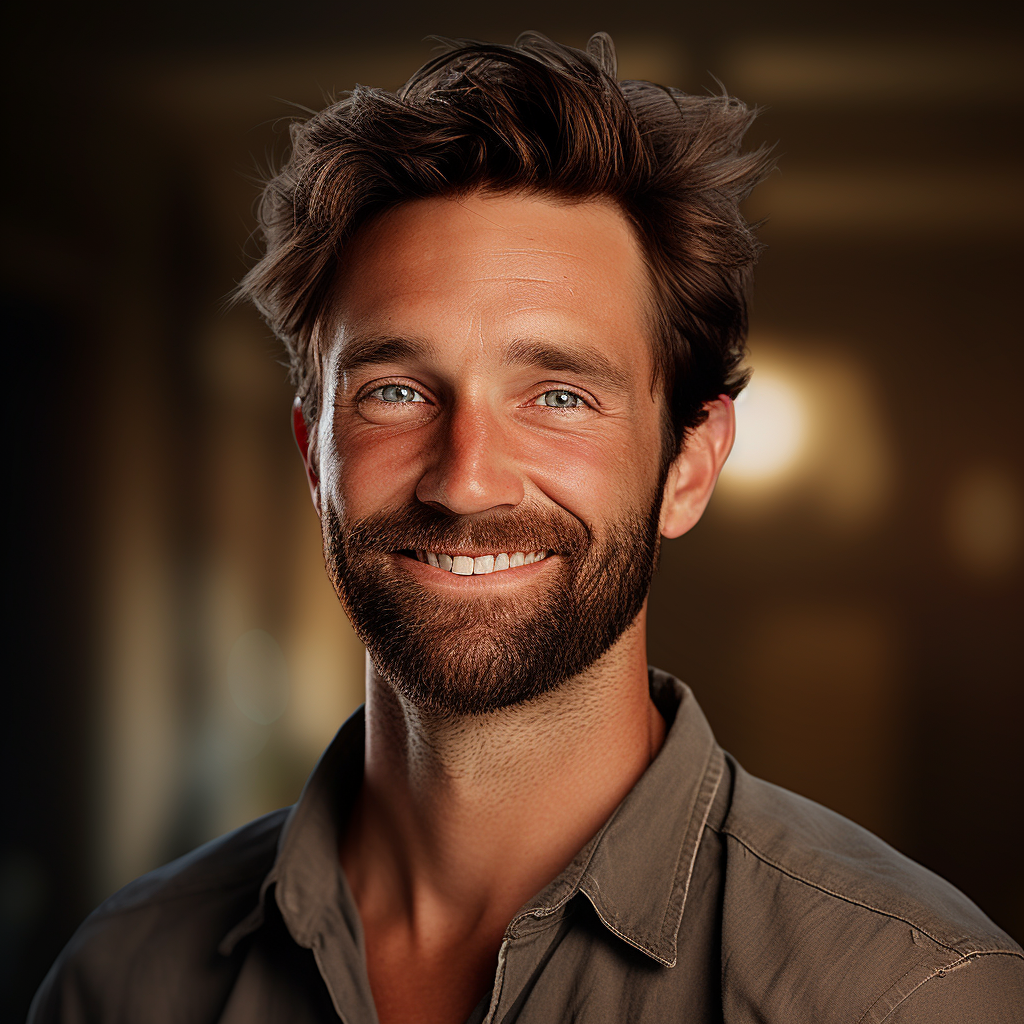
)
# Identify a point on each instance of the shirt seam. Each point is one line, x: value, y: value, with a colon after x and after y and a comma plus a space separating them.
x: 629, y: 940
x: 499, y: 980
x: 764, y: 858
x: 713, y: 765
x: 889, y: 988
x: 936, y: 972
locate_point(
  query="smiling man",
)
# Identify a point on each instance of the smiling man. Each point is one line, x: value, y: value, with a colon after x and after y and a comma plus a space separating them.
x: 514, y: 296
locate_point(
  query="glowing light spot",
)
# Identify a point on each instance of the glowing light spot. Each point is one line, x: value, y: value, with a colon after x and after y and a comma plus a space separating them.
x: 770, y: 430
x: 985, y: 521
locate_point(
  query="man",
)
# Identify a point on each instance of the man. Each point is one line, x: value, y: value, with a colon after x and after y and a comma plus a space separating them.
x: 514, y: 295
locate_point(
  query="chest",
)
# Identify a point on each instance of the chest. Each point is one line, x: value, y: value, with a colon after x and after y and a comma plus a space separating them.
x: 441, y: 984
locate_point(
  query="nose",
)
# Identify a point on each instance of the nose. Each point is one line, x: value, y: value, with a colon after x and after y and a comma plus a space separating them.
x: 471, y: 469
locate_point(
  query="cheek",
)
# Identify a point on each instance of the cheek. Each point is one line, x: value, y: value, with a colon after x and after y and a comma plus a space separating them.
x: 371, y: 469
x: 592, y: 476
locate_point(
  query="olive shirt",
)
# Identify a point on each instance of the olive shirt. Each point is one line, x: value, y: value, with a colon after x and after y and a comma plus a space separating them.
x: 708, y: 895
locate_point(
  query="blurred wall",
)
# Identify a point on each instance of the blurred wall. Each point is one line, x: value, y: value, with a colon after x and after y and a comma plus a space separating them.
x: 846, y: 610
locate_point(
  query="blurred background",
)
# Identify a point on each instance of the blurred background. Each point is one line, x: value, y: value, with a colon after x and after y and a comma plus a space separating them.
x: 849, y: 611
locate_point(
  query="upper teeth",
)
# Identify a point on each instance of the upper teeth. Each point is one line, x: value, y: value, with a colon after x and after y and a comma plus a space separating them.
x: 466, y: 565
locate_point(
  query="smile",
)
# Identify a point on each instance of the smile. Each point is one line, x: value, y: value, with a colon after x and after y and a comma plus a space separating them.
x: 480, y: 565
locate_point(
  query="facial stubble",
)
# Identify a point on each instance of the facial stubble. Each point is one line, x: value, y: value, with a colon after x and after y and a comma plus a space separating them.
x: 455, y: 656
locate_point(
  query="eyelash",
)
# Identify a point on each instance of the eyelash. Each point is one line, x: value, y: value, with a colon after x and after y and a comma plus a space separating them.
x: 377, y: 393
x: 581, y: 401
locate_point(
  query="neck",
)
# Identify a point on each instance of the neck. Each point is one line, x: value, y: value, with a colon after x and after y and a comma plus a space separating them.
x: 462, y: 820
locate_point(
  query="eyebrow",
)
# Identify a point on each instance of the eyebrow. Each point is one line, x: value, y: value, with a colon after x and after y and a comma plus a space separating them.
x: 375, y: 349
x: 585, y: 362
x: 368, y: 351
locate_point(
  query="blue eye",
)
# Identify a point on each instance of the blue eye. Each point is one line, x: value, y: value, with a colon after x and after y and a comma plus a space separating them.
x: 398, y: 394
x: 559, y: 399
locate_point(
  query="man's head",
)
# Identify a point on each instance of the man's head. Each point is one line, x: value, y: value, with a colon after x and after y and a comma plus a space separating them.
x: 532, y: 118
x: 479, y: 297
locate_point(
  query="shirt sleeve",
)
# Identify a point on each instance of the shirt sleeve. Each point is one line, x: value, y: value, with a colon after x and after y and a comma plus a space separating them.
x: 987, y: 989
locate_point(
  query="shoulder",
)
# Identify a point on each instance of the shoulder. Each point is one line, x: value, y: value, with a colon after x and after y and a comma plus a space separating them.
x: 820, y: 913
x: 160, y: 933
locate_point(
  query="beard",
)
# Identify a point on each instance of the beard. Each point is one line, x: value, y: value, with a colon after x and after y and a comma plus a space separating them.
x: 453, y: 656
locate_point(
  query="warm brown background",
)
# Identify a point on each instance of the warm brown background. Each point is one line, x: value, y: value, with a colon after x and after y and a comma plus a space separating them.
x: 851, y: 624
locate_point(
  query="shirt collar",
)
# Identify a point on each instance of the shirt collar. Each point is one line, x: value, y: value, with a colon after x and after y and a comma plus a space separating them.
x: 310, y: 885
x: 635, y: 871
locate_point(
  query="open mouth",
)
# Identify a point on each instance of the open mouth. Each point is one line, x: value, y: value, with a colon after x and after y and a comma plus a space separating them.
x: 478, y: 565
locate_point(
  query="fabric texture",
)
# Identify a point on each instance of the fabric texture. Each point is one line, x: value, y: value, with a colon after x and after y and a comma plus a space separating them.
x: 708, y: 895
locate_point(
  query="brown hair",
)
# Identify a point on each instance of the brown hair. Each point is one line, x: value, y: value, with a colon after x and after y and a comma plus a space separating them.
x: 535, y: 117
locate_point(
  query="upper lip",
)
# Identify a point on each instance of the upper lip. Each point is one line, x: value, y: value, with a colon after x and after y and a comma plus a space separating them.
x: 475, y: 552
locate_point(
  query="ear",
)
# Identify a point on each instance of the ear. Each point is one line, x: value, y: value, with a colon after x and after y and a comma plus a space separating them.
x: 306, y: 440
x: 692, y: 476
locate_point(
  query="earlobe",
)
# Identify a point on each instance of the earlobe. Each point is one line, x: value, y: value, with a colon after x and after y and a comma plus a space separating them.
x: 693, y: 474
x: 306, y: 440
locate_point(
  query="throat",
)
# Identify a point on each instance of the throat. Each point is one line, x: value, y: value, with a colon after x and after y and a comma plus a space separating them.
x: 445, y: 798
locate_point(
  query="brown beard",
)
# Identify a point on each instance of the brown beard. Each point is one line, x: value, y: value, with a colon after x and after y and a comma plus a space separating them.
x: 452, y: 656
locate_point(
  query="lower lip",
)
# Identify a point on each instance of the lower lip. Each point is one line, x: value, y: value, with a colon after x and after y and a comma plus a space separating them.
x: 434, y: 576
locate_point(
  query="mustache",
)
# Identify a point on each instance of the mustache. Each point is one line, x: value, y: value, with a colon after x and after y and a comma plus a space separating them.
x: 420, y: 527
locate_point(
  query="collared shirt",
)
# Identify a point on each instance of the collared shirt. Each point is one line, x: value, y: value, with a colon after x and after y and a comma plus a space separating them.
x: 708, y: 895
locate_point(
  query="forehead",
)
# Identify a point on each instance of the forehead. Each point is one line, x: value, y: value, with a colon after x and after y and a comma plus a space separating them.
x: 495, y: 270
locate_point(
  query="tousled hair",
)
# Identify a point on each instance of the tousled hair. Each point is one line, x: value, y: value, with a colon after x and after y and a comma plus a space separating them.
x: 532, y: 118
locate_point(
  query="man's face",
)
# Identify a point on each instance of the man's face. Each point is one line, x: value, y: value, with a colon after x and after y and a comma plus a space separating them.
x: 489, y: 447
